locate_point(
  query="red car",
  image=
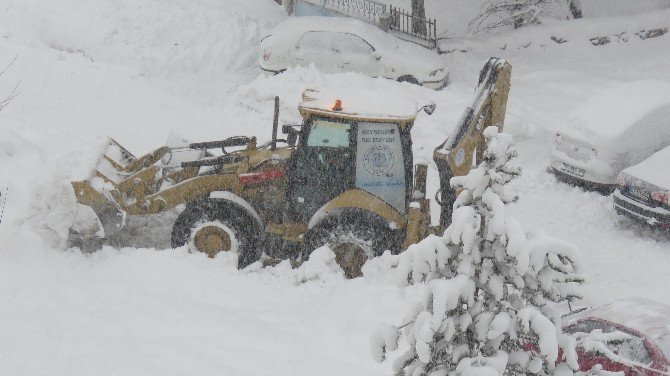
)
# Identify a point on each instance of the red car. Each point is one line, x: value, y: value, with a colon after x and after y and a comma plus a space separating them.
x: 648, y: 324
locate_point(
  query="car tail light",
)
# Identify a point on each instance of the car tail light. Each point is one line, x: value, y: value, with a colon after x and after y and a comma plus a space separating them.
x: 621, y: 181
x: 660, y: 197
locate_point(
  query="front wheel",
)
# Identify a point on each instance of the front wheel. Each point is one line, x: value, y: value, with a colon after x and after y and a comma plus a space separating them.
x: 212, y: 226
x: 355, y: 236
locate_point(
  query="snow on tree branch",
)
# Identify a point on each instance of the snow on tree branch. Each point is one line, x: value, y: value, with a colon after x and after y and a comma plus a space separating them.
x: 496, y: 14
x: 14, y: 92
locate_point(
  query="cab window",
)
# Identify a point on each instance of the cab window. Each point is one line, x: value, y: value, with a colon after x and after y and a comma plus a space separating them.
x: 329, y: 134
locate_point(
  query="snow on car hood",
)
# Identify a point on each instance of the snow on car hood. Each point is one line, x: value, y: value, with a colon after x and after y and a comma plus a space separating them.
x: 650, y: 318
x: 654, y: 170
x: 405, y: 56
x: 611, y: 117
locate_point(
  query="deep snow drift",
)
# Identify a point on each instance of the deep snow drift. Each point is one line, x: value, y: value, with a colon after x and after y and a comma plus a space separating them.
x: 137, y: 72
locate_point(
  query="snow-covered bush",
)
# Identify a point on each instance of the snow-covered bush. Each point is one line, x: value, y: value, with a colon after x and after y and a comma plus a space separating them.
x: 490, y: 291
x: 517, y: 13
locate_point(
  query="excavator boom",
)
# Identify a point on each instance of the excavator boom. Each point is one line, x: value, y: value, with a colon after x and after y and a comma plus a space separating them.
x: 465, y: 146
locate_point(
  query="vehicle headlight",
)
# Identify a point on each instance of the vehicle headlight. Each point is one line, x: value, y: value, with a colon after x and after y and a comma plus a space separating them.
x: 436, y: 72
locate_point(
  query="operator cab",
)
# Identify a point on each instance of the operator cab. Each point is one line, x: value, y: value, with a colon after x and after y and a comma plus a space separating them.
x: 341, y: 149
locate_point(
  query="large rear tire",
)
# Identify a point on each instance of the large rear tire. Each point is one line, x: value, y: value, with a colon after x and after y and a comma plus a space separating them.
x: 355, y: 236
x: 213, y: 226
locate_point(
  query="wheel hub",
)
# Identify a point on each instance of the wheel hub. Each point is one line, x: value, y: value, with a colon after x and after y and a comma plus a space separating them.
x: 212, y: 240
x: 350, y: 257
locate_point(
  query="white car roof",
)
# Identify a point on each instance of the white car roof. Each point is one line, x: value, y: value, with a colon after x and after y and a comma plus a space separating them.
x: 650, y: 318
x: 613, y: 113
x: 363, y: 104
x: 654, y: 170
x: 296, y: 26
x: 401, y: 52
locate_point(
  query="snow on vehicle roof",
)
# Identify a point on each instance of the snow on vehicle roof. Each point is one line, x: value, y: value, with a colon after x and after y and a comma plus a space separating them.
x: 296, y: 26
x: 650, y: 318
x: 653, y: 170
x: 363, y: 104
x: 398, y: 51
x: 612, y: 112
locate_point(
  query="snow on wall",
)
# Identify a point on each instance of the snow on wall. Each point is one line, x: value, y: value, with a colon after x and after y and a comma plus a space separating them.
x: 607, y: 8
x: 453, y: 16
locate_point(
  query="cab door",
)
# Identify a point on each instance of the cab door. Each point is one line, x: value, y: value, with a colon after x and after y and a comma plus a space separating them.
x: 383, y: 165
x: 322, y: 167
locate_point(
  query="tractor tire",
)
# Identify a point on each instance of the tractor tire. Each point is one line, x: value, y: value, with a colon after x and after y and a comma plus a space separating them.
x: 355, y: 236
x: 212, y: 226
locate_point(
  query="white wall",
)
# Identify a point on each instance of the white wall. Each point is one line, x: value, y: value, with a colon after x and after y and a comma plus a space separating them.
x: 607, y: 8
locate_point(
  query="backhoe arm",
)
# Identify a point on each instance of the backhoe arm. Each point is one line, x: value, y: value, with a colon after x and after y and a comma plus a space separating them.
x: 455, y: 156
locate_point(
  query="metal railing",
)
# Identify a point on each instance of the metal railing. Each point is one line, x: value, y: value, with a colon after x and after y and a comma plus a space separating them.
x: 365, y: 10
x: 405, y: 22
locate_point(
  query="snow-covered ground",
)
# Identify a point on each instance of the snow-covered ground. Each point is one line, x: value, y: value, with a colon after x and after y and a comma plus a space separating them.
x: 137, y: 71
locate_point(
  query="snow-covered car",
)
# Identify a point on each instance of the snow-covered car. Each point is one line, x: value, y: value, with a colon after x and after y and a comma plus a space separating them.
x: 643, y: 190
x: 335, y: 44
x: 647, y: 323
x: 612, y: 130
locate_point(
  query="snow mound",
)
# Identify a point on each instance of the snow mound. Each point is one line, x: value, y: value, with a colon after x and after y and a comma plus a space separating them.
x: 320, y: 268
x: 157, y: 38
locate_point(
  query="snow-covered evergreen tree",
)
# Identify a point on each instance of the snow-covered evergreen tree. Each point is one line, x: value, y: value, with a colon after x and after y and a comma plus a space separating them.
x: 490, y: 290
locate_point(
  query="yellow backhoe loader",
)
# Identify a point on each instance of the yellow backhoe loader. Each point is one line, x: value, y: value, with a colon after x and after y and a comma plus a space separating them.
x: 343, y: 178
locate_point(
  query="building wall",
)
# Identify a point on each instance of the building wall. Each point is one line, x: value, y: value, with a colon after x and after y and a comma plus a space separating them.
x: 303, y: 8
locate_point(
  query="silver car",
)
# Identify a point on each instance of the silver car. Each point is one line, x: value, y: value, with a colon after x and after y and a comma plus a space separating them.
x: 335, y: 44
x: 611, y: 131
x: 643, y: 190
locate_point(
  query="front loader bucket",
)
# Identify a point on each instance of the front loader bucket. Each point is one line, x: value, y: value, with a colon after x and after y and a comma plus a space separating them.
x: 113, y: 166
x: 111, y: 217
